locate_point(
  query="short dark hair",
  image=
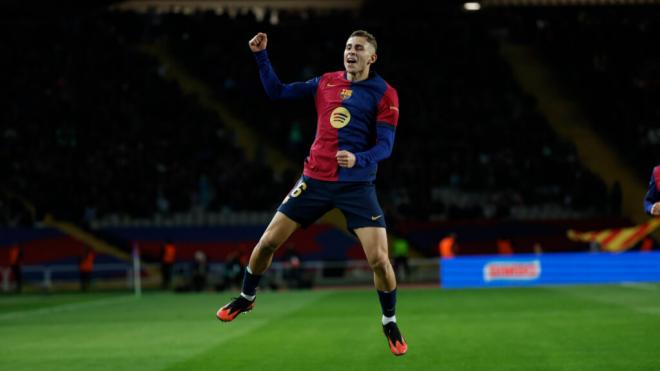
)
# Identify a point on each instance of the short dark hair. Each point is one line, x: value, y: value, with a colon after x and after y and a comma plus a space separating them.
x: 370, y: 38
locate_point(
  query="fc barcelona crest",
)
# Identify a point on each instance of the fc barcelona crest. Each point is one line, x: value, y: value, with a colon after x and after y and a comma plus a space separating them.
x: 345, y: 93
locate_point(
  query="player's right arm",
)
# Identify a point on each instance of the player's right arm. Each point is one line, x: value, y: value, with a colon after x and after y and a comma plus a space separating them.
x: 275, y: 89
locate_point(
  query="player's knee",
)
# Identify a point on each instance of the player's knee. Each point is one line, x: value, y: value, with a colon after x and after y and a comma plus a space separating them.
x: 379, y: 263
x: 268, y: 243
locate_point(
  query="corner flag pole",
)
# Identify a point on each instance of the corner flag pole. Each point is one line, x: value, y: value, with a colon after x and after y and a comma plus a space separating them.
x: 137, y: 283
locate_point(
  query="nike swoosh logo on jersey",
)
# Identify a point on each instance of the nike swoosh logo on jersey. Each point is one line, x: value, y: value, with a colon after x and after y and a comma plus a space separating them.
x: 374, y: 218
x: 329, y: 85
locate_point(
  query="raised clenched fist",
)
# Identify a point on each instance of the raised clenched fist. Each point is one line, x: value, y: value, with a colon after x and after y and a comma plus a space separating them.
x: 258, y: 43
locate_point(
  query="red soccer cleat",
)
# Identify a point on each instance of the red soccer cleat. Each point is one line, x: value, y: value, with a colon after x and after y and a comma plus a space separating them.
x: 398, y: 346
x: 234, y: 308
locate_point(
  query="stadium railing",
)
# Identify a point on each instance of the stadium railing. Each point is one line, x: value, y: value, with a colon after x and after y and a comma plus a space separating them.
x: 313, y: 274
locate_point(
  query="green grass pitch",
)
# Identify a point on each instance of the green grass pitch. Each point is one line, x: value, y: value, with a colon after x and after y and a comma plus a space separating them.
x: 552, y: 328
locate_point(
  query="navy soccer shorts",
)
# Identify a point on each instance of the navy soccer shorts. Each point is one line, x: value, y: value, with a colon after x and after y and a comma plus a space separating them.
x: 310, y: 199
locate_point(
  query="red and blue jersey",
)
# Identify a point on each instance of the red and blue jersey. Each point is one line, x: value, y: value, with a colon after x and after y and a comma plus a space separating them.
x: 359, y: 117
x: 653, y: 195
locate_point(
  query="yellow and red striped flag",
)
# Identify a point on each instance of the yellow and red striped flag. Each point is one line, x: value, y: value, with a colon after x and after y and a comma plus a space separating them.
x: 616, y: 239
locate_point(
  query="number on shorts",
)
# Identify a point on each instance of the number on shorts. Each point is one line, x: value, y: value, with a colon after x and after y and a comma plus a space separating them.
x: 299, y: 189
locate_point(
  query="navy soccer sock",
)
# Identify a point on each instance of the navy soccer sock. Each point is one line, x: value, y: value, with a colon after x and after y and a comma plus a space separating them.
x: 387, y: 302
x: 250, y: 283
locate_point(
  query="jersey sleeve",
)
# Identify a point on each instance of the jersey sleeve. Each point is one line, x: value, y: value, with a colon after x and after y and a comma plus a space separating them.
x: 274, y: 88
x: 387, y: 119
x: 381, y: 150
x: 388, y: 108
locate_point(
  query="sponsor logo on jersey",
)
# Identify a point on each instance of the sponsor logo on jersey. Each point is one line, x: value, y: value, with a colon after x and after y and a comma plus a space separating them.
x: 340, y: 117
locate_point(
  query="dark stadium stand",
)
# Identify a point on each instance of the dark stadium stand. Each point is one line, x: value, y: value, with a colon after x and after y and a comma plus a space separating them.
x: 90, y: 120
x: 101, y: 128
x: 464, y: 130
x: 608, y: 57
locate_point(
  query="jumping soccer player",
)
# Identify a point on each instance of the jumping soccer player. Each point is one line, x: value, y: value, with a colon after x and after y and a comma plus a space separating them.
x: 357, y: 116
x: 652, y: 199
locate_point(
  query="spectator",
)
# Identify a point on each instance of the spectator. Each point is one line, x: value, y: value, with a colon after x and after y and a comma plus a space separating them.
x: 167, y: 259
x: 200, y: 271
x: 292, y: 268
x: 15, y: 261
x: 504, y: 246
x: 447, y: 247
x: 86, y: 268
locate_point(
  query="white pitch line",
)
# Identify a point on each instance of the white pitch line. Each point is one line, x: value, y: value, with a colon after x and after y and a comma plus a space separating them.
x: 64, y: 308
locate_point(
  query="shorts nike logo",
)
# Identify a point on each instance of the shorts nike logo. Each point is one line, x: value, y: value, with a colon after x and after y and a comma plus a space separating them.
x: 374, y: 218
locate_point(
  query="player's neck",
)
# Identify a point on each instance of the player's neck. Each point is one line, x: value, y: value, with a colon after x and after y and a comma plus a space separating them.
x: 358, y: 76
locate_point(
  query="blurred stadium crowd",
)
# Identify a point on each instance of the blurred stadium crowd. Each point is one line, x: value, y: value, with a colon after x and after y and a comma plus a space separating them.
x: 606, y: 57
x: 92, y: 126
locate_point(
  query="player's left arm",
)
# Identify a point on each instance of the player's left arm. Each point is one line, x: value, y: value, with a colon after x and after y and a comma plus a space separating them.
x: 386, y: 122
